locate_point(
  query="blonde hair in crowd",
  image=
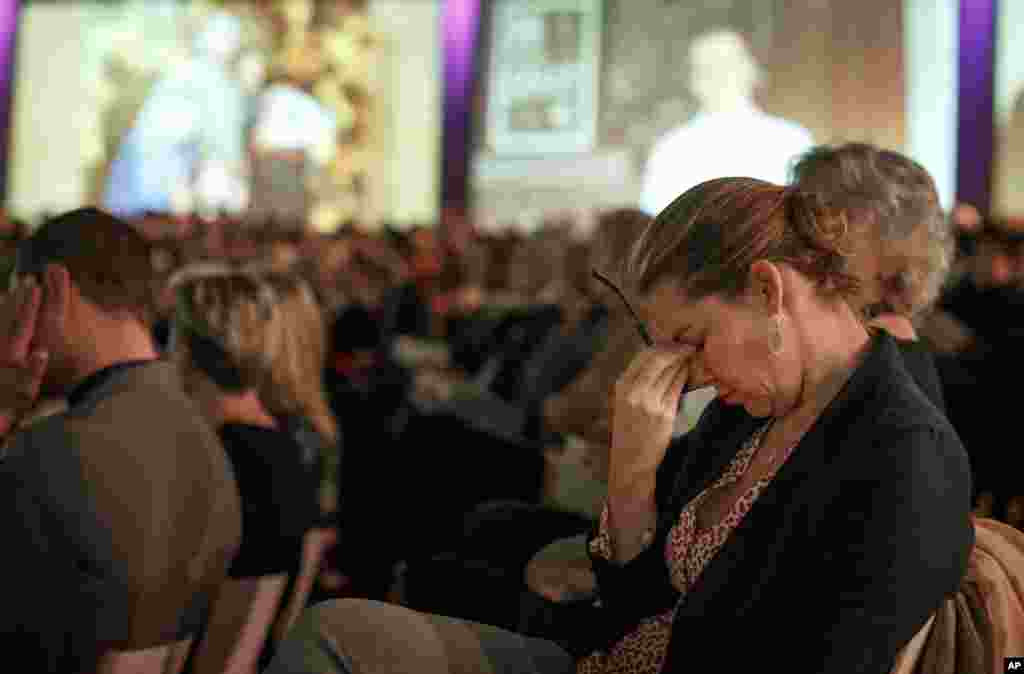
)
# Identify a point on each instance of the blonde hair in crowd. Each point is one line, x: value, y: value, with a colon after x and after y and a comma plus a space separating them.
x: 296, y: 384
x: 237, y: 311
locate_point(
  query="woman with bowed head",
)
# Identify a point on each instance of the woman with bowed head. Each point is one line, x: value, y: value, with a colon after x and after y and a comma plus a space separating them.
x: 819, y: 511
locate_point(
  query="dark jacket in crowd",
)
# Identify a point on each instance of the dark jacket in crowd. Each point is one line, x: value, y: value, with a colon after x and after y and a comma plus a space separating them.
x: 278, y: 492
x: 979, y: 383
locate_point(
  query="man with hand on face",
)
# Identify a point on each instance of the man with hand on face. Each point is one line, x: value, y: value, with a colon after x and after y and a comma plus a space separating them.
x: 121, y: 515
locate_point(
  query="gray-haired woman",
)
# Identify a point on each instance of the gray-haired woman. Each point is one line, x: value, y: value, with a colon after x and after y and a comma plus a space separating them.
x: 901, y: 245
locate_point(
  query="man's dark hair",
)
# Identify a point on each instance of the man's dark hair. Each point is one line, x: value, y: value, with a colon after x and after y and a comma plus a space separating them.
x: 108, y: 259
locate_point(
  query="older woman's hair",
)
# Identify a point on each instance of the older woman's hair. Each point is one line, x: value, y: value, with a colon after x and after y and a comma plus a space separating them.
x: 227, y: 328
x: 296, y: 385
x: 893, y: 196
x: 707, y: 239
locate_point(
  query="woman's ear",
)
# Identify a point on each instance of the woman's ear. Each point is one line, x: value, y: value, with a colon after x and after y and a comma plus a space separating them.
x: 766, y: 287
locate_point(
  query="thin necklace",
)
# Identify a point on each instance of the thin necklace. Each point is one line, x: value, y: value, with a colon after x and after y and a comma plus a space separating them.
x: 773, y: 455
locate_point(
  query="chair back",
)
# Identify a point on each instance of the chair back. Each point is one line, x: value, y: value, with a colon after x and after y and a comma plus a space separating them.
x: 239, y: 624
x: 997, y: 568
x: 983, y: 623
x: 315, y: 546
x: 162, y: 659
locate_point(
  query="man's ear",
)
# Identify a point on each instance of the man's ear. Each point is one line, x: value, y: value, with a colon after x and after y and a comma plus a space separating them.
x: 766, y: 288
x: 58, y: 291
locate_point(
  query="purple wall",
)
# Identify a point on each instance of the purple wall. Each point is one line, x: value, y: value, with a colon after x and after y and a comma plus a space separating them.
x: 975, y: 136
x: 8, y: 29
x: 460, y: 29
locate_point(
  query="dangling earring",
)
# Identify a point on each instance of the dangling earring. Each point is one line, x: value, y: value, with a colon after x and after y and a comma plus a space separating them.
x: 776, y: 345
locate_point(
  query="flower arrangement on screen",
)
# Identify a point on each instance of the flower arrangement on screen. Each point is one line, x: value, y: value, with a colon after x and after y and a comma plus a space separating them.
x: 329, y: 48
x: 323, y: 47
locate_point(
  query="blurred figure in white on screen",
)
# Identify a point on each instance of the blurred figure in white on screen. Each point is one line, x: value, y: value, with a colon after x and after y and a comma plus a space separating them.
x: 293, y: 137
x: 729, y: 136
x: 185, y: 151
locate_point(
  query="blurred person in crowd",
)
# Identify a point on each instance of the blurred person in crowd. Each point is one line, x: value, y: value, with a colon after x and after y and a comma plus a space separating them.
x: 185, y: 151
x: 357, y: 379
x: 366, y: 389
x: 283, y: 254
x: 407, y: 308
x: 331, y: 259
x: 166, y: 259
x: 902, y: 246
x: 295, y: 391
x: 991, y: 285
x: 117, y: 537
x: 374, y: 276
x: 820, y: 458
x: 583, y: 407
x: 730, y: 135
x: 228, y: 331
x: 555, y: 324
x: 574, y: 405
x: 984, y: 310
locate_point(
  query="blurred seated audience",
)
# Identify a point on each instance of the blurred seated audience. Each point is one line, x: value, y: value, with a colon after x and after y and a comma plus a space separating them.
x: 985, y: 304
x: 990, y: 286
x: 122, y: 512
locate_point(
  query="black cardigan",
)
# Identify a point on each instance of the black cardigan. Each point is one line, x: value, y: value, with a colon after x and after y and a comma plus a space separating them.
x: 862, y: 533
x: 920, y: 365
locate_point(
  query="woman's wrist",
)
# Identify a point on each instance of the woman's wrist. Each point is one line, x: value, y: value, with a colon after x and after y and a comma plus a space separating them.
x: 632, y: 505
x: 631, y: 482
x: 632, y: 519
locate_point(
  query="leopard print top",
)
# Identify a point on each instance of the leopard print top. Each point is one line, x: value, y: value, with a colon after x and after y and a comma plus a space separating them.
x: 688, y: 550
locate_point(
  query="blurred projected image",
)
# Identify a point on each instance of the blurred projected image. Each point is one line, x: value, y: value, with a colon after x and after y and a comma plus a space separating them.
x: 264, y: 111
x: 730, y: 134
x: 589, y: 105
x: 558, y: 46
x: 562, y: 37
x: 544, y: 76
x: 1008, y: 192
x: 186, y: 146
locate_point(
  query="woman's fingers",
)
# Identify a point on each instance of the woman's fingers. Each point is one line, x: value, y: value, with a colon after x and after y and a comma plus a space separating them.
x: 680, y: 378
x: 653, y: 369
x: 662, y: 387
